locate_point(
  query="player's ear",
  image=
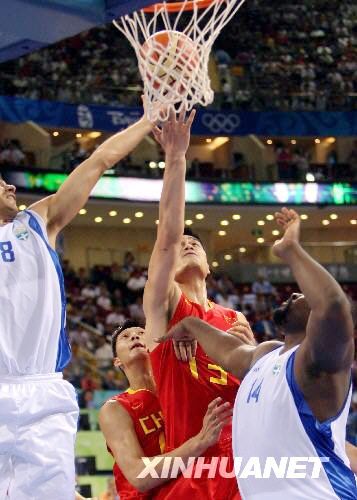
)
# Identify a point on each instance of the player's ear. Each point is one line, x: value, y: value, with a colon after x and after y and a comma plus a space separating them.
x: 117, y: 363
x: 208, y: 270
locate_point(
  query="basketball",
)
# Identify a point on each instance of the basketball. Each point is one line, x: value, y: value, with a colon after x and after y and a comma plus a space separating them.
x: 169, y: 57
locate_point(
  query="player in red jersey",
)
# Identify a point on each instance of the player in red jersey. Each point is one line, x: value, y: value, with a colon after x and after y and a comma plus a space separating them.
x: 176, y: 288
x: 133, y: 425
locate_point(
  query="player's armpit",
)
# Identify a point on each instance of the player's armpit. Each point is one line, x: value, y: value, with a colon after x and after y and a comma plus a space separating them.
x: 161, y: 288
x: 325, y: 392
x: 158, y: 312
x: 329, y: 341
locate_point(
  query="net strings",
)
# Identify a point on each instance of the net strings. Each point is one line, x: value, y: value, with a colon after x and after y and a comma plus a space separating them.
x: 183, y: 84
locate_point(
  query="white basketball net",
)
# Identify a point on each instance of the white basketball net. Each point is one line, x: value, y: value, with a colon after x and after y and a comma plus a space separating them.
x: 175, y: 74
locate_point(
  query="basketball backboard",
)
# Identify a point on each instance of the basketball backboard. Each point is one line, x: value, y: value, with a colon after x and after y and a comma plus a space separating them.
x: 28, y: 25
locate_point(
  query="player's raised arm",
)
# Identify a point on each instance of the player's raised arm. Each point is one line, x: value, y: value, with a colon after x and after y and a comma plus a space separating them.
x: 161, y: 293
x: 119, y: 432
x: 59, y: 209
x: 328, y: 348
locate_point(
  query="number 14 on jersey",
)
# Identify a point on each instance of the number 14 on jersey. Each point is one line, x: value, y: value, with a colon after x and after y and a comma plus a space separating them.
x: 255, y: 391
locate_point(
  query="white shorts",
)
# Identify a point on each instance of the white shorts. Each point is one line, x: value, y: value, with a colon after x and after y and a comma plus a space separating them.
x: 38, y: 424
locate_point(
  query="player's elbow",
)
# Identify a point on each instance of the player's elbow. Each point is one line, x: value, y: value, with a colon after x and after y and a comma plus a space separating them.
x: 143, y: 485
x: 104, y: 158
x: 133, y: 474
x: 169, y: 234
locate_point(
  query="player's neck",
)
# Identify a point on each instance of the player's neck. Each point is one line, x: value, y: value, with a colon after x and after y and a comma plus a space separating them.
x: 292, y: 341
x: 6, y: 218
x: 140, y: 377
x: 196, y: 291
x: 4, y: 222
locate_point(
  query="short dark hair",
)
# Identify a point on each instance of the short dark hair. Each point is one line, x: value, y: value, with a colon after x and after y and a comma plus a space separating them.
x: 129, y: 323
x: 189, y: 232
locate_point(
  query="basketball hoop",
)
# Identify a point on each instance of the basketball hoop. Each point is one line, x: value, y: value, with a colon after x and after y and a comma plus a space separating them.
x: 173, y: 42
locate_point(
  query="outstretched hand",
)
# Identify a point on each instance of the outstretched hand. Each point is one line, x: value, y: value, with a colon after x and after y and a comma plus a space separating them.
x: 185, y: 345
x: 217, y: 416
x: 174, y: 134
x: 185, y: 350
x: 289, y: 220
x: 178, y: 332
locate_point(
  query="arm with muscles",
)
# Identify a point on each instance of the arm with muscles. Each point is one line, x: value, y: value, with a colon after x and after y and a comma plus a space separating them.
x: 59, y: 209
x: 352, y: 456
x: 232, y: 350
x: 161, y: 292
x: 328, y: 347
x: 118, y: 429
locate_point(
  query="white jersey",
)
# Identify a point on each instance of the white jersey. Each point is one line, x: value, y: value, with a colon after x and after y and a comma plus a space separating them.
x: 32, y: 300
x: 272, y: 419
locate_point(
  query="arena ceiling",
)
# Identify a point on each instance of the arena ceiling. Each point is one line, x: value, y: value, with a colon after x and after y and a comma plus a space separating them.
x: 28, y: 25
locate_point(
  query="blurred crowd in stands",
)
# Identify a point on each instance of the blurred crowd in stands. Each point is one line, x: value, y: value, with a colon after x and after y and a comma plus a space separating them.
x: 291, y: 164
x: 105, y: 297
x: 298, y: 56
x: 295, y: 164
x: 295, y: 56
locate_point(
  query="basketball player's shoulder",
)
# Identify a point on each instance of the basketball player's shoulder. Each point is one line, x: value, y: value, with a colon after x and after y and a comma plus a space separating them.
x: 114, y: 408
x: 264, y: 349
x: 144, y: 397
x: 113, y: 401
x: 124, y: 399
x: 128, y: 402
x: 228, y: 314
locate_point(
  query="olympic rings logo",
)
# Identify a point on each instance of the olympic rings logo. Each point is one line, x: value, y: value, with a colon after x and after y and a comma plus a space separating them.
x: 220, y: 122
x: 84, y: 116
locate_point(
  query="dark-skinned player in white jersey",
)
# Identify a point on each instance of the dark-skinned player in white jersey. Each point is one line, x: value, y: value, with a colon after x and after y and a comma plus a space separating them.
x: 295, y: 396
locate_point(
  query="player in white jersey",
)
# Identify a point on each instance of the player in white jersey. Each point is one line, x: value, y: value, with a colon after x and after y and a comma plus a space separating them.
x: 292, y: 406
x: 38, y: 409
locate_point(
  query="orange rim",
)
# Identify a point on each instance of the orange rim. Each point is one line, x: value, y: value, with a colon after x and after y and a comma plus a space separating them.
x: 177, y: 6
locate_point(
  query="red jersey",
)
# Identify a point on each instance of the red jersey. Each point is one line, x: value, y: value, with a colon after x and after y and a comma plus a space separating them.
x: 186, y: 389
x: 144, y: 408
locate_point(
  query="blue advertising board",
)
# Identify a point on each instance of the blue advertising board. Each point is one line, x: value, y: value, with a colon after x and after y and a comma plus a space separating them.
x: 208, y: 122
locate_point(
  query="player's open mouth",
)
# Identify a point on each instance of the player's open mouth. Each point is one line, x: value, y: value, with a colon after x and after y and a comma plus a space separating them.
x: 11, y: 196
x: 137, y: 344
x: 190, y: 253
